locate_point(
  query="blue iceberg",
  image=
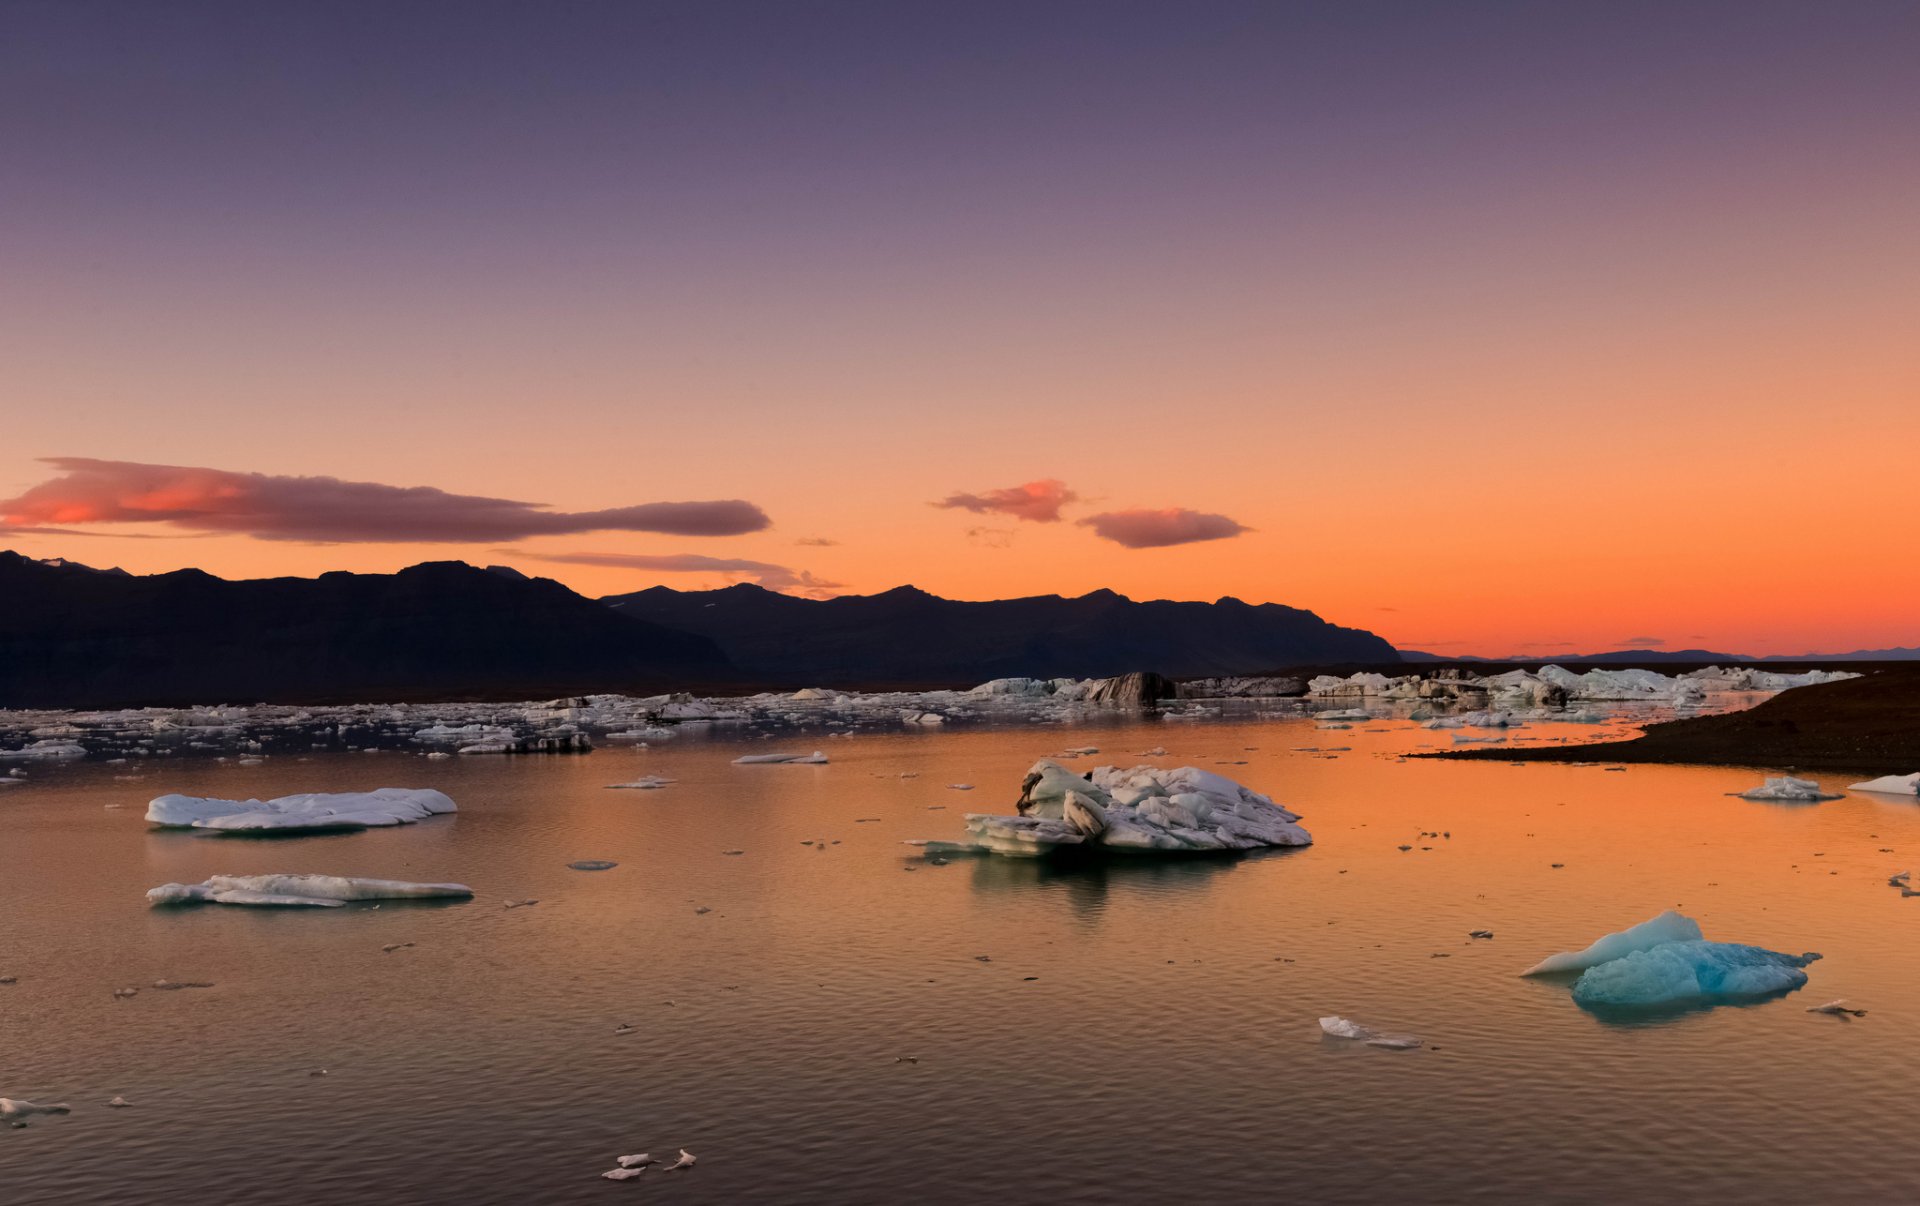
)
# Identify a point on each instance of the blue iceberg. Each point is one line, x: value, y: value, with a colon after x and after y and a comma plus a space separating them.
x: 1675, y: 974
x: 1667, y: 963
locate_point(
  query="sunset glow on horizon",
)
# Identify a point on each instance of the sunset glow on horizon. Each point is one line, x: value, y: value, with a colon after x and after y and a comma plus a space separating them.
x: 1595, y: 334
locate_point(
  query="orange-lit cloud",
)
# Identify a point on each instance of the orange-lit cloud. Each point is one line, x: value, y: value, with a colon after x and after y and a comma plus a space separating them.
x: 1146, y: 529
x: 1036, y: 502
x: 773, y: 577
x: 329, y: 510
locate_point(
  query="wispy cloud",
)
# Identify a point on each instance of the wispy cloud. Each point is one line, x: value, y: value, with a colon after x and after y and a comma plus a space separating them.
x: 1146, y: 529
x: 817, y: 542
x: 733, y: 569
x: 1642, y: 642
x: 1036, y: 502
x: 993, y: 538
x: 330, y: 510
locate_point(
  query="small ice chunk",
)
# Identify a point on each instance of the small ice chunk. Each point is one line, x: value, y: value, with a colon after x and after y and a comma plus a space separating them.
x: 1667, y: 927
x: 685, y: 1161
x: 12, y: 1108
x: 623, y: 1174
x: 816, y: 758
x: 1786, y: 787
x: 1343, y: 1028
x: 644, y: 783
x: 593, y: 864
x: 1837, y: 1009
x: 638, y: 1161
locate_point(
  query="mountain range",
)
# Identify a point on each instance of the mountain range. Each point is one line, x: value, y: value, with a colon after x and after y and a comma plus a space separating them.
x: 909, y: 637
x: 76, y: 637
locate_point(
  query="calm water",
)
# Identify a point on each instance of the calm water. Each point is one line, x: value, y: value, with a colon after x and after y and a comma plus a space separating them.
x: 1139, y: 1033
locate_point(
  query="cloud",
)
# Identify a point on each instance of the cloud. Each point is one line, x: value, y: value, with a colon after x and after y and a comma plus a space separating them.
x: 8, y: 530
x: 993, y: 538
x: 817, y: 542
x: 329, y: 510
x: 1642, y: 642
x: 761, y: 573
x: 1037, y: 502
x: 1156, y: 529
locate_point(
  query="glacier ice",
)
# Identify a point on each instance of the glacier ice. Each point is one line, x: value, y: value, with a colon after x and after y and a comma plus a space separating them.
x: 1786, y: 787
x: 1142, y: 809
x: 1667, y: 927
x: 309, y: 811
x: 1892, y: 785
x: 1686, y: 973
x: 294, y: 891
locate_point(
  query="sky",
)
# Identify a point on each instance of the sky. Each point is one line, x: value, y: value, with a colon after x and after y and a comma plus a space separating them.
x: 1493, y: 328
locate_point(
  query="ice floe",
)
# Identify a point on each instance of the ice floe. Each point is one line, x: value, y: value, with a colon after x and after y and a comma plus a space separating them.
x: 1142, y: 809
x: 1786, y: 787
x: 294, y: 891
x: 816, y: 758
x: 45, y: 751
x: 644, y: 783
x: 311, y: 811
x: 12, y: 1108
x: 1892, y: 785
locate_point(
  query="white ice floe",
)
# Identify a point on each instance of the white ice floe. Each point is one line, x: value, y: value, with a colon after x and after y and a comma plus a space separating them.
x: 1837, y: 1009
x: 294, y: 891
x: 623, y: 1174
x: 644, y: 783
x: 12, y: 1108
x: 685, y: 1161
x: 1666, y: 962
x: 1786, y: 787
x: 309, y: 811
x: 1892, y: 785
x: 1144, y: 809
x: 45, y: 751
x: 816, y: 758
x: 1667, y: 927
x: 1342, y: 1028
x: 638, y: 1161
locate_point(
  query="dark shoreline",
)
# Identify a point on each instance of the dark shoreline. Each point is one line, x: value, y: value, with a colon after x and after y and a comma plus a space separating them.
x: 1863, y: 724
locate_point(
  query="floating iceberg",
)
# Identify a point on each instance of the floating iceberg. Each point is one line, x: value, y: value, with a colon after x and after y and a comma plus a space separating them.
x: 310, y: 811
x: 1667, y: 927
x: 1786, y: 787
x: 1338, y: 1027
x: 1686, y: 973
x: 1892, y: 785
x: 1666, y: 962
x: 12, y: 1108
x: 816, y: 758
x: 1145, y: 809
x: 294, y: 891
x: 644, y: 783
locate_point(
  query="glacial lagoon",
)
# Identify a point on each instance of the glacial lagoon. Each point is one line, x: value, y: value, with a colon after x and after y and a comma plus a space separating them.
x: 770, y: 979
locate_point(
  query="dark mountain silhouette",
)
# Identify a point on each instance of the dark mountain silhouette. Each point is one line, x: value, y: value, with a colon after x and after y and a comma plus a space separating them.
x: 77, y: 637
x: 909, y: 637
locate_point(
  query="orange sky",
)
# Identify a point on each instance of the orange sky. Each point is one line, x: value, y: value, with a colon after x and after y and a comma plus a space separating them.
x: 1500, y: 353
